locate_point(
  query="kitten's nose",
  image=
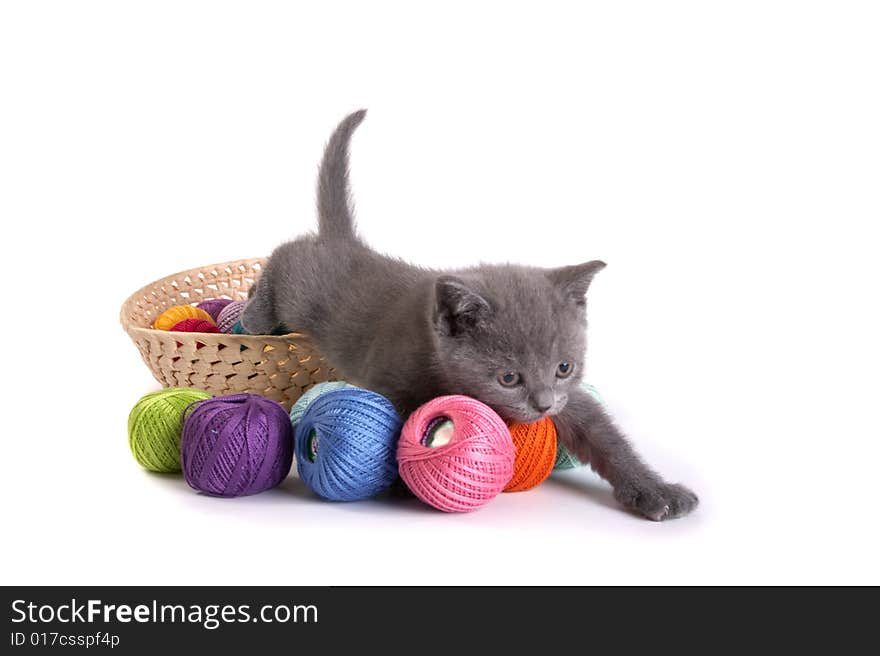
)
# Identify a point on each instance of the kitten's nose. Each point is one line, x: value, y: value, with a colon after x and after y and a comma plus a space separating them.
x: 542, y: 401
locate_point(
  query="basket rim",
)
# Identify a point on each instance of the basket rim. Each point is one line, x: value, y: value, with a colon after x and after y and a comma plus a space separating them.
x: 205, y: 338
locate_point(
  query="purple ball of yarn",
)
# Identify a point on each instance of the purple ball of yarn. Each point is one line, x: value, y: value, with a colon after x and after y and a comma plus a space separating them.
x: 229, y: 315
x: 214, y: 306
x: 236, y: 445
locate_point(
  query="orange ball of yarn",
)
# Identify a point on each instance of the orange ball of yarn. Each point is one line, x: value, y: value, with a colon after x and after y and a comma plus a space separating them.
x: 535, y: 454
x: 174, y: 315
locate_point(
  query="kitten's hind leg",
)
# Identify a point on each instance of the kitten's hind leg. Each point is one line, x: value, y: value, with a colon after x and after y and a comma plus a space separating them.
x: 259, y: 316
x: 588, y: 432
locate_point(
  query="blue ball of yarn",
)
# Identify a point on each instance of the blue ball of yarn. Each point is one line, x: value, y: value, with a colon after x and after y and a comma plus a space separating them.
x: 346, y: 444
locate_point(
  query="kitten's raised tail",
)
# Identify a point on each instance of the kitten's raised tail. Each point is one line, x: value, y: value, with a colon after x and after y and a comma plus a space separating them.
x: 335, y: 214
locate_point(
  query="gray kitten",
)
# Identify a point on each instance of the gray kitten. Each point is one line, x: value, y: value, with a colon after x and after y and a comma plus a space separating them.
x: 511, y: 336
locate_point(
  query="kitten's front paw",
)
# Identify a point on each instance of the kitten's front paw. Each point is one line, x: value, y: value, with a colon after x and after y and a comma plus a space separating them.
x: 657, y: 501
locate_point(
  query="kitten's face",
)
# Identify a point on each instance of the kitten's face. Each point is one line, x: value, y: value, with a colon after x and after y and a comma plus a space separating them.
x: 514, y: 338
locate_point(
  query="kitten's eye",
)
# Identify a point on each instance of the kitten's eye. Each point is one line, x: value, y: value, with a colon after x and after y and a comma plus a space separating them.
x: 509, y: 379
x: 564, y: 369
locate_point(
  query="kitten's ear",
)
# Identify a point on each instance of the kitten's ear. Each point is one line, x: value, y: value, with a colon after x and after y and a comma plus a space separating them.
x: 575, y: 280
x: 458, y: 308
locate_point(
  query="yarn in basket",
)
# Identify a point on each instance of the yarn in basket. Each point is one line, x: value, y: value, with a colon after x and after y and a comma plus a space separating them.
x: 236, y: 445
x: 230, y: 315
x: 455, y: 453
x: 155, y: 424
x: 345, y: 444
x: 174, y: 315
x: 195, y: 326
x: 214, y: 306
x: 292, y: 364
x: 535, y: 454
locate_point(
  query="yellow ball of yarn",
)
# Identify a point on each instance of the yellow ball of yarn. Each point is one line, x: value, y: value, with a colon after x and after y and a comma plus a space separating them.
x: 173, y: 316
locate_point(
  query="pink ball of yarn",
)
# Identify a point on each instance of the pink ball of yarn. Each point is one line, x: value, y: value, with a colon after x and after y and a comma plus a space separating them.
x: 229, y: 315
x: 455, y: 453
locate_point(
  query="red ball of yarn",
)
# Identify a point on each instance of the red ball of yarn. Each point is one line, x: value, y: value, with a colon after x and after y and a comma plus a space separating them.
x: 195, y: 326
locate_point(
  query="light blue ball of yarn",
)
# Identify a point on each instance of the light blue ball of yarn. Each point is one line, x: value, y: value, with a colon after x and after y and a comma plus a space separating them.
x: 303, y: 402
x: 564, y: 458
x: 346, y: 444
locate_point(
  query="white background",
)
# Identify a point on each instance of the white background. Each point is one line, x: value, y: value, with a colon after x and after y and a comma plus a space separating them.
x: 723, y: 158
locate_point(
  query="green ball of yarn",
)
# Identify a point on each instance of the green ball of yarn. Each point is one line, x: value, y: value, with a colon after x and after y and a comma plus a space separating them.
x: 155, y: 424
x: 564, y: 458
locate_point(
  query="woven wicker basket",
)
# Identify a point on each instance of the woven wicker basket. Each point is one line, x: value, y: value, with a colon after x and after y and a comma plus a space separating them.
x: 278, y: 367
